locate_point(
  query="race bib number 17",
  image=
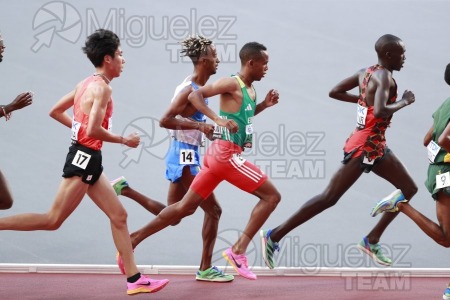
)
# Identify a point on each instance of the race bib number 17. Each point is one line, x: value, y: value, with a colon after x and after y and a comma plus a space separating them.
x: 81, y: 159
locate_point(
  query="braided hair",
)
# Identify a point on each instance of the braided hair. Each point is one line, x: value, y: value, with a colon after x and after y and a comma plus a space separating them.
x: 194, y: 46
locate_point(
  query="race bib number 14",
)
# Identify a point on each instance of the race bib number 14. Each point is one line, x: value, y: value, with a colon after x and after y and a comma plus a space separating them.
x: 187, y: 157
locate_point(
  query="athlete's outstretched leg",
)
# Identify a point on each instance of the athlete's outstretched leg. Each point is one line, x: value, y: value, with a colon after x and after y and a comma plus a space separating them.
x: 342, y: 180
x: 122, y: 188
x: 70, y: 193
x: 391, y: 169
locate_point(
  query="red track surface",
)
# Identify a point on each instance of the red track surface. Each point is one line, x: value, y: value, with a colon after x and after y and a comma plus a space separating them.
x: 16, y: 286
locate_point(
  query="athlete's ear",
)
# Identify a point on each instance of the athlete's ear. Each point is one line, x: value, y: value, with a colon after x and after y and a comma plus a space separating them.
x: 107, y: 59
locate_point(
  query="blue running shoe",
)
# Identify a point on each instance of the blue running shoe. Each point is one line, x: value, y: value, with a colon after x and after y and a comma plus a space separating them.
x: 388, y: 203
x: 446, y: 295
x: 374, y: 251
x: 268, y: 248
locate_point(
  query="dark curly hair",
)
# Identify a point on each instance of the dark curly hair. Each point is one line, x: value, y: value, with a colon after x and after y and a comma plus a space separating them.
x: 99, y: 44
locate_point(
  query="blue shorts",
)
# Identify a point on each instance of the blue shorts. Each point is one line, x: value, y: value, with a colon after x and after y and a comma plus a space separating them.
x: 179, y: 156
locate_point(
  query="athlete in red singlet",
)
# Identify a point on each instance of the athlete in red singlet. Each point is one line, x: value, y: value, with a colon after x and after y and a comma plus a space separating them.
x: 81, y: 119
x: 364, y: 151
x: 92, y: 105
x: 21, y: 101
x: 368, y: 138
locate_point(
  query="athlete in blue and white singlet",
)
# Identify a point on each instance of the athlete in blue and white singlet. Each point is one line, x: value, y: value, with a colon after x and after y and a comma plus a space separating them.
x: 186, y: 142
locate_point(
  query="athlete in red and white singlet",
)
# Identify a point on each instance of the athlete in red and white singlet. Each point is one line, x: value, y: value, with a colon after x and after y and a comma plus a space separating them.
x: 81, y: 119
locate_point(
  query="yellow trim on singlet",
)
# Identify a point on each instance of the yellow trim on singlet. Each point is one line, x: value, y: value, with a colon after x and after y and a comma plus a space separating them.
x: 447, y: 158
x: 241, y: 83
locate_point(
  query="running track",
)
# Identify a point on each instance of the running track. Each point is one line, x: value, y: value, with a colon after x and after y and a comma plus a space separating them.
x: 19, y: 284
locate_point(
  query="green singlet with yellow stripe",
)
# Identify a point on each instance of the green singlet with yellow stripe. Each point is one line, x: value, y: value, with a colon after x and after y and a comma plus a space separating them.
x: 441, y: 163
x: 243, y: 117
x: 441, y: 118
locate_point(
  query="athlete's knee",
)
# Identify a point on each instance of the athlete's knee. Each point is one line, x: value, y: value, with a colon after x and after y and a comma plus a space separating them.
x: 186, y: 209
x: 273, y: 199
x: 119, y: 218
x: 175, y: 223
x: 213, y: 210
x: 52, y: 226
x: 444, y: 240
x: 6, y: 203
x: 445, y: 243
x: 328, y: 199
x: 53, y: 223
x: 217, y: 211
x: 410, y: 190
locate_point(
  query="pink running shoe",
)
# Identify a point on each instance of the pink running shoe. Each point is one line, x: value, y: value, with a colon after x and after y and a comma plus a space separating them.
x: 239, y: 263
x: 120, y: 263
x: 146, y: 285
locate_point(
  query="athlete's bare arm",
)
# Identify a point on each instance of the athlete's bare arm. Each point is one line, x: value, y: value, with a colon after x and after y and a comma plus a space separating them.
x: 444, y: 138
x: 378, y: 92
x: 22, y: 100
x: 341, y: 90
x: 428, y: 136
x: 95, y: 103
x: 380, y: 84
x: 59, y: 110
x: 181, y: 106
x: 270, y: 100
x: 230, y: 100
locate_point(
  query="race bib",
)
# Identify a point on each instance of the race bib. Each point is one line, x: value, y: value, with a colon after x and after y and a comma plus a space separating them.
x: 249, y: 129
x: 203, y: 140
x: 187, y: 157
x: 75, y: 128
x: 217, y: 134
x: 442, y: 180
x: 238, y: 159
x: 81, y: 159
x: 433, y: 150
x: 368, y: 161
x: 361, y: 114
